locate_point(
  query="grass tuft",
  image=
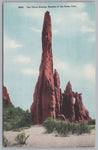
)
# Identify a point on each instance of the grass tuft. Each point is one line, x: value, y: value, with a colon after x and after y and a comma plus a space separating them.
x: 21, y: 138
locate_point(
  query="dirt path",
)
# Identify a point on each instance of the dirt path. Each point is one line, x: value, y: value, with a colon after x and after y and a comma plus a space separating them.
x: 38, y: 138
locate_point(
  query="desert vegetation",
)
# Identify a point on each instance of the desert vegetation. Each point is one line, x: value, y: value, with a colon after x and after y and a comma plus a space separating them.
x: 5, y: 141
x: 36, y: 136
x: 21, y: 138
x: 64, y: 128
x: 14, y: 118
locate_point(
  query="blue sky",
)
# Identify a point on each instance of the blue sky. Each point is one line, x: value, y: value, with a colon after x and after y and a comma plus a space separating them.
x: 73, y: 47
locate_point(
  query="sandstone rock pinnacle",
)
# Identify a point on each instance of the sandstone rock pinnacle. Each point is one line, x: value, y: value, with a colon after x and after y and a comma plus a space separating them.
x: 44, y: 95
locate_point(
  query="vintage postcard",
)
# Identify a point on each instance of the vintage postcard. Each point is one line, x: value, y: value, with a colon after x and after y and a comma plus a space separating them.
x: 49, y: 74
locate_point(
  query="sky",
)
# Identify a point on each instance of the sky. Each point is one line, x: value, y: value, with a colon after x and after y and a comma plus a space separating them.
x: 73, y: 47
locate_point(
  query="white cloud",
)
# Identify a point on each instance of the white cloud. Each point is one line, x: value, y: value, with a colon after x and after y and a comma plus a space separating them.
x: 81, y: 16
x: 36, y: 30
x: 57, y: 19
x: 87, y: 29
x: 11, y: 44
x: 23, y: 59
x: 62, y: 66
x: 29, y: 71
x: 71, y: 21
x: 72, y: 71
x: 89, y: 71
x: 55, y: 31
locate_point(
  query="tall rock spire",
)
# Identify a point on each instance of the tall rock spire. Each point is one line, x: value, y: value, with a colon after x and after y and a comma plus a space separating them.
x: 44, y: 95
x: 47, y: 33
x: 68, y: 103
x: 57, y: 93
x: 47, y: 57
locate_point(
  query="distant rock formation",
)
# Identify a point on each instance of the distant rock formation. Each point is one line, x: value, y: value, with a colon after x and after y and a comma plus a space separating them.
x: 6, y: 98
x: 49, y: 101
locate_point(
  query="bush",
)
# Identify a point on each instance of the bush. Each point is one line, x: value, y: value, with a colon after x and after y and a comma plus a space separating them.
x: 49, y: 124
x: 61, y: 127
x: 21, y: 138
x: 64, y: 128
x: 5, y: 141
x: 15, y: 118
x: 74, y: 128
x: 83, y: 128
x: 92, y: 122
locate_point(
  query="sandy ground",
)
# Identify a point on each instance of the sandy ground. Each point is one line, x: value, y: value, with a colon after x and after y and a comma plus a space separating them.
x: 38, y: 138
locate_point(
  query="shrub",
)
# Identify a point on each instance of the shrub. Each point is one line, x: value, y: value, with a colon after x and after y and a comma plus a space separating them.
x: 49, y: 124
x: 63, y: 128
x: 5, y: 141
x: 83, y: 128
x: 7, y: 126
x: 74, y: 128
x: 92, y: 122
x: 15, y: 117
x: 21, y: 138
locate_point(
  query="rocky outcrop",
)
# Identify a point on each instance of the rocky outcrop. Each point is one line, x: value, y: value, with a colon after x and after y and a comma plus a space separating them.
x: 81, y: 113
x: 48, y: 100
x: 6, y: 98
x: 68, y: 104
x: 73, y: 111
x: 58, y: 95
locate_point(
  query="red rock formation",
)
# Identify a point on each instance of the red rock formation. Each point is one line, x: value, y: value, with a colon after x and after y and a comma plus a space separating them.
x: 44, y: 95
x: 6, y: 98
x: 58, y: 95
x: 75, y: 112
x: 81, y: 113
x: 68, y: 104
x: 48, y: 99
